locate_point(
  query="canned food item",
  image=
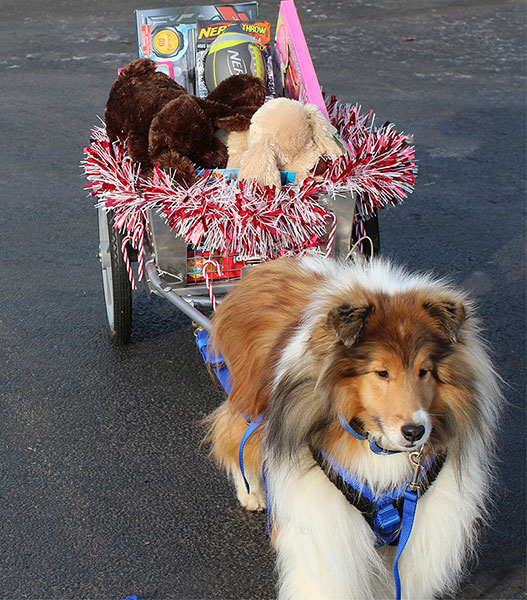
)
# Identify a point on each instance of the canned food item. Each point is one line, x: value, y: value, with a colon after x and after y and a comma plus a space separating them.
x: 229, y: 266
x: 195, y: 262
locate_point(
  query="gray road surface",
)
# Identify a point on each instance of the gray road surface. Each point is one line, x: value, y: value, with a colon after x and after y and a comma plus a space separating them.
x: 104, y: 489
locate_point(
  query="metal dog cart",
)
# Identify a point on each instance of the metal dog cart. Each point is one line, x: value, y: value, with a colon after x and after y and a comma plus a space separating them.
x: 380, y: 159
x: 378, y: 170
x: 166, y: 260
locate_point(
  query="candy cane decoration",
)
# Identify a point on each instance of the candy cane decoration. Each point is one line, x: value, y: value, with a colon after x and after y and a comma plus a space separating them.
x: 208, y: 281
x: 331, y: 237
x: 360, y: 233
x: 127, y: 261
x: 138, y: 242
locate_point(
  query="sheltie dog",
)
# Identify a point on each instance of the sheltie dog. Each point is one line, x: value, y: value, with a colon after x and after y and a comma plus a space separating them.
x: 319, y: 350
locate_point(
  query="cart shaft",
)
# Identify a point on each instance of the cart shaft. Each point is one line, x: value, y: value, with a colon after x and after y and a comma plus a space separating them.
x: 164, y: 290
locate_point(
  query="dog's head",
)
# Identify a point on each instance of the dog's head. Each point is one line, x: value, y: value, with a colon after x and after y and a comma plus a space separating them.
x: 398, y: 353
x: 393, y: 365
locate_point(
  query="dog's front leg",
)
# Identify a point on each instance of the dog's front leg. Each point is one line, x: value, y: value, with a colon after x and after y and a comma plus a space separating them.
x: 325, y: 548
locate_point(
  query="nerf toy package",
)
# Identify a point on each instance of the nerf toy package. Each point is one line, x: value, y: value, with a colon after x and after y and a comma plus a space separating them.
x: 294, y: 67
x: 168, y: 35
x: 225, y: 48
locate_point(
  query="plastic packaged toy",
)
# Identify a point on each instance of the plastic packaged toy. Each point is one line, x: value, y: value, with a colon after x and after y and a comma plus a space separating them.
x: 168, y: 35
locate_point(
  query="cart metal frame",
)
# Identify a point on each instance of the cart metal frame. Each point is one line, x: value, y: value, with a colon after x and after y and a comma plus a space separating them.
x: 165, y: 260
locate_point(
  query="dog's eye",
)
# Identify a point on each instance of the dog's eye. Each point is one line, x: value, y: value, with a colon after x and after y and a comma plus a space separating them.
x: 382, y: 374
x: 423, y: 373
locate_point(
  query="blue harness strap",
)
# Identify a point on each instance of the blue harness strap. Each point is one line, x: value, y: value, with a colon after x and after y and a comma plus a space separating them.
x: 216, y: 361
x: 253, y: 426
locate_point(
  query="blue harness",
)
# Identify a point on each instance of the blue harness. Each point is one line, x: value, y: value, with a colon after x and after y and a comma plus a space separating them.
x: 383, y: 512
x: 390, y: 514
x: 216, y: 361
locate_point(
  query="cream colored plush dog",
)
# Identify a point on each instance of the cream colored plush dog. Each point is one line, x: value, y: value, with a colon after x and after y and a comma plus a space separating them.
x: 284, y: 135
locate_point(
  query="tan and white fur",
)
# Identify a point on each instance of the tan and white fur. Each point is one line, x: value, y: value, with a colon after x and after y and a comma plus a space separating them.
x: 307, y: 338
x: 284, y: 135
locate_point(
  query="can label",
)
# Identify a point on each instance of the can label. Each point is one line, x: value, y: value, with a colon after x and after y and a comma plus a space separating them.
x: 230, y: 267
x: 195, y: 264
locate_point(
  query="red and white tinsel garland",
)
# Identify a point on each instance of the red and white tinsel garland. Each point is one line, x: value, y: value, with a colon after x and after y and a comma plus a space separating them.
x: 380, y: 167
x: 231, y: 217
x: 239, y: 217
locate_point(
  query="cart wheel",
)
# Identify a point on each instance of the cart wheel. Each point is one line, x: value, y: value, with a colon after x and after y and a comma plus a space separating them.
x: 116, y: 285
x: 372, y: 231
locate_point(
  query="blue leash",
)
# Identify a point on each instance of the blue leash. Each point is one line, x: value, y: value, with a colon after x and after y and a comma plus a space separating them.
x: 409, y: 508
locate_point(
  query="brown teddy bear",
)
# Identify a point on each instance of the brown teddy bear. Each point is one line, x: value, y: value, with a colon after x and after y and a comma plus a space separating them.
x: 166, y: 126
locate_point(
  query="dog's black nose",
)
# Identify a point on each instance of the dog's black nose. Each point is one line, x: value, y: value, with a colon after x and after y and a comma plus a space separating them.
x: 413, y: 432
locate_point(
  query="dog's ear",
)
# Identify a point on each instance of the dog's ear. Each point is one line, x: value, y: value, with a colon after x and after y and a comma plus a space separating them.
x: 260, y: 163
x: 348, y: 321
x: 322, y: 131
x: 451, y: 314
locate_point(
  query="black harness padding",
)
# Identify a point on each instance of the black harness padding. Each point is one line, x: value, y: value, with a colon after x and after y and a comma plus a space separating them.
x: 367, y: 507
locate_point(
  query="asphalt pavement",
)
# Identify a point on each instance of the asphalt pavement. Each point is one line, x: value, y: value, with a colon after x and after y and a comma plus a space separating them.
x: 105, y: 491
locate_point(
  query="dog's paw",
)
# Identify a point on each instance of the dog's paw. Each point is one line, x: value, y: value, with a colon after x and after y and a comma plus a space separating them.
x: 254, y: 501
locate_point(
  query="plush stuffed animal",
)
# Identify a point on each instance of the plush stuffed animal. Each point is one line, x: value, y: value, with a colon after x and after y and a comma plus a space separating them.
x: 285, y: 135
x: 166, y: 126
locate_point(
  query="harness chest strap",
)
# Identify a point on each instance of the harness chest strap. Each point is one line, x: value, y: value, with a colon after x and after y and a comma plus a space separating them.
x: 382, y: 512
x: 391, y: 514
